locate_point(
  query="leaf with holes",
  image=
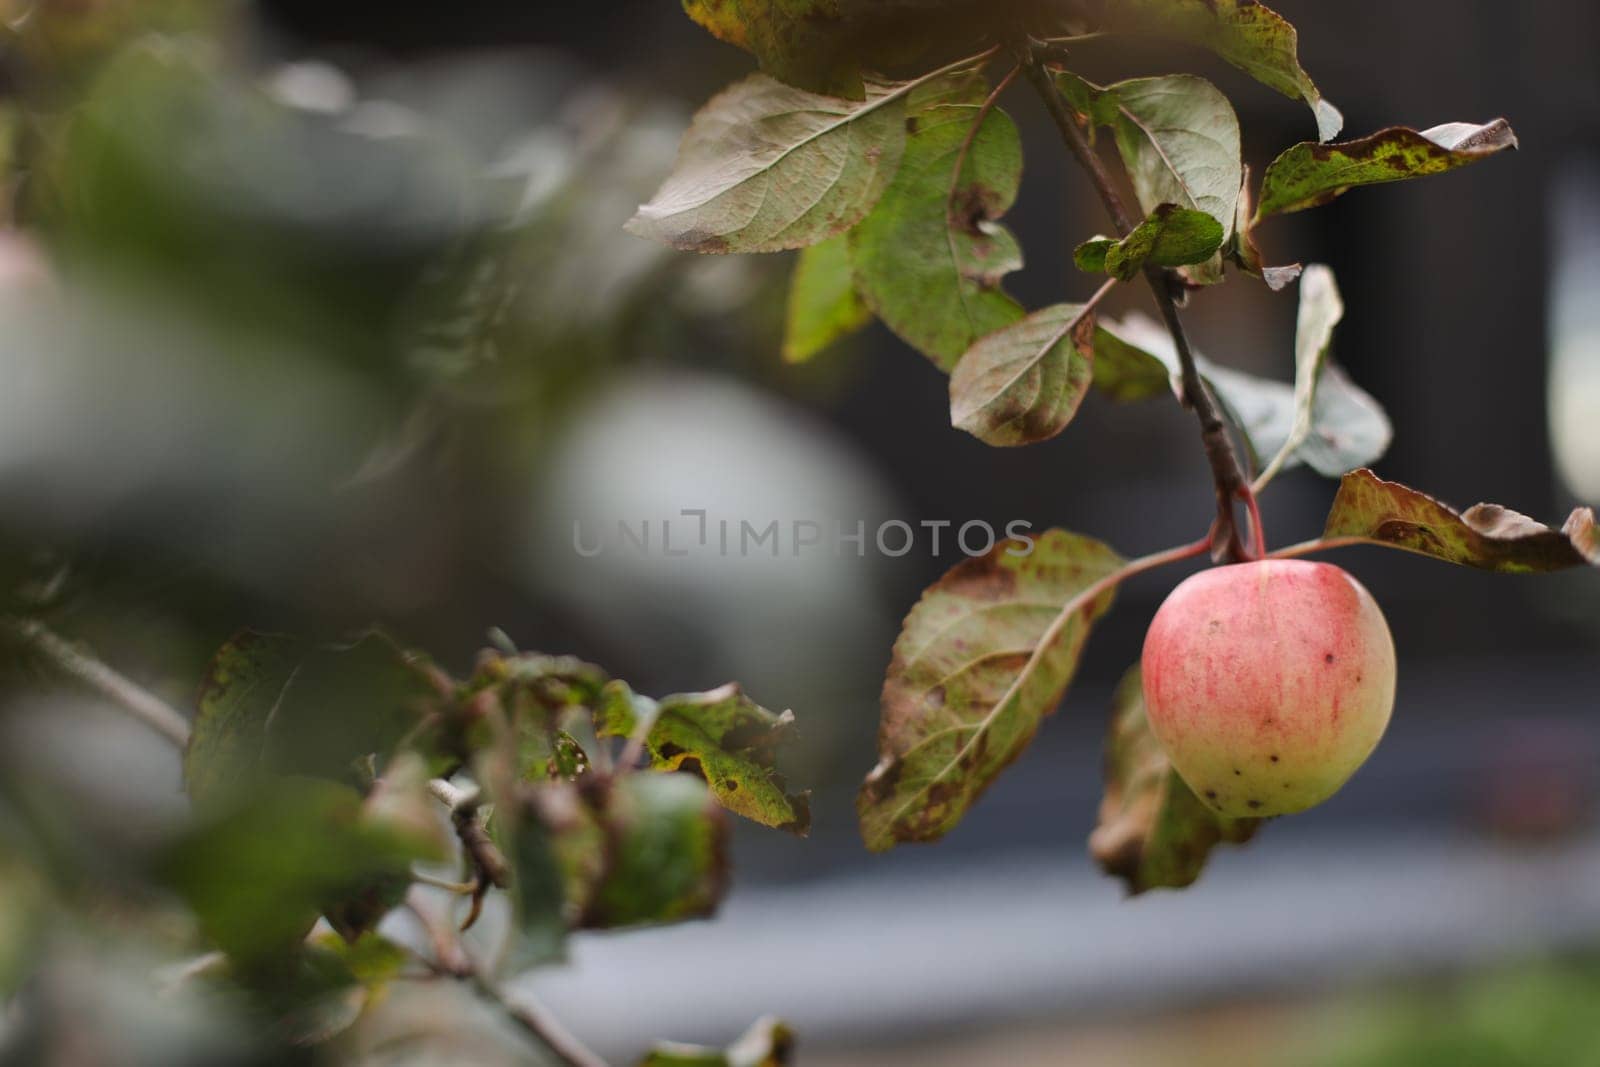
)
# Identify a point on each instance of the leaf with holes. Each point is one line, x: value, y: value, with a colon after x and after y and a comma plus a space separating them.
x: 765, y: 166
x: 1170, y: 237
x: 984, y: 656
x: 1023, y: 384
x: 1153, y: 832
x: 1249, y: 35
x: 1486, y: 536
x: 930, y: 257
x: 768, y: 1043
x: 1310, y: 174
x: 724, y: 737
x: 823, y: 304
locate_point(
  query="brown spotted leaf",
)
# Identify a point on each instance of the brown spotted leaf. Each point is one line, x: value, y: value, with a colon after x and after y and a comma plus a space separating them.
x: 929, y: 263
x: 1249, y: 35
x: 984, y: 656
x: 1310, y: 174
x: 1486, y: 536
x: 1153, y: 833
x: 724, y: 737
x: 1023, y: 384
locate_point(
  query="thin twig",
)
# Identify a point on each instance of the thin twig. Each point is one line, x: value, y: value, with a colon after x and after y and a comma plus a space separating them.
x: 489, y: 866
x: 536, y: 1020
x: 83, y: 667
x: 1226, y: 473
x: 452, y: 960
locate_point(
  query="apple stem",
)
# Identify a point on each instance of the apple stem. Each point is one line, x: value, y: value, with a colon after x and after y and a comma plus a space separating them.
x: 1320, y: 544
x: 1258, y: 532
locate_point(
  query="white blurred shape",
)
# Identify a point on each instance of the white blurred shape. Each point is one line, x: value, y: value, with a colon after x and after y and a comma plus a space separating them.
x: 312, y: 86
x: 660, y: 443
x: 1574, y: 384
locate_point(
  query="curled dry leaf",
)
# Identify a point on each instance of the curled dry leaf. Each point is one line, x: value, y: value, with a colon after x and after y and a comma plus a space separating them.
x: 1487, y: 536
x: 1310, y: 174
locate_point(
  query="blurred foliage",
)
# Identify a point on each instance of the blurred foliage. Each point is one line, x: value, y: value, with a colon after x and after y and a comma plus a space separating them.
x: 1532, y: 1016
x: 282, y: 343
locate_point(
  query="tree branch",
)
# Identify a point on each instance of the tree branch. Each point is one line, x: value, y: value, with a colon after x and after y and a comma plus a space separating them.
x: 452, y: 960
x: 83, y: 667
x: 1226, y: 472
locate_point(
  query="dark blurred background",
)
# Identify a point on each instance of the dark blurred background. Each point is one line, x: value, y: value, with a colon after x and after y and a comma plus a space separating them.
x: 167, y: 496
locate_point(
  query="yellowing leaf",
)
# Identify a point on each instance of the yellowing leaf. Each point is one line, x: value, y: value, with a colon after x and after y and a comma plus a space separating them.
x: 724, y: 737
x: 823, y: 305
x: 1487, y: 536
x: 1310, y: 174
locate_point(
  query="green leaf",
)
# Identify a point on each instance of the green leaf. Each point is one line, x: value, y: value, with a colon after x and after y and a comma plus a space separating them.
x: 1125, y: 372
x: 258, y: 874
x: 1170, y: 237
x: 823, y: 305
x: 1348, y: 427
x: 765, y: 167
x: 1321, y: 310
x: 769, y: 1043
x: 1153, y: 833
x: 273, y: 705
x: 1023, y: 383
x: 666, y: 853
x: 1179, y: 139
x: 722, y: 736
x: 371, y: 960
x: 984, y: 656
x: 1247, y: 34
x: 556, y: 848
x: 795, y: 40
x: 929, y: 264
x: 1486, y: 536
x: 1310, y: 174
